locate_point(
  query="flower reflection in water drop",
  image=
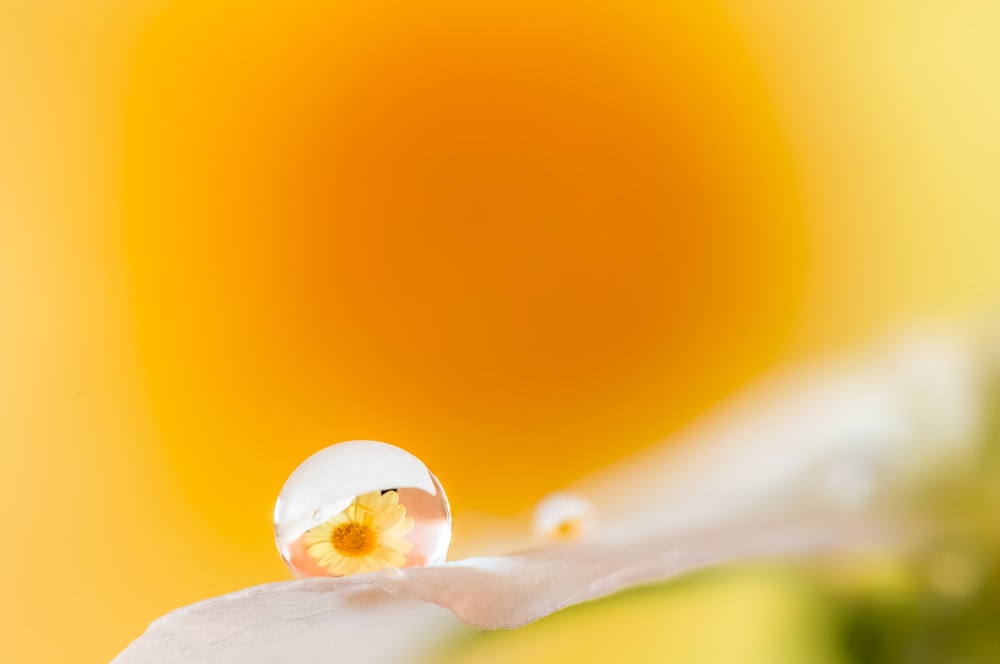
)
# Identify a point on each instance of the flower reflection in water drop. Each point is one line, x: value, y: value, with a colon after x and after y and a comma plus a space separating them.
x: 365, y: 537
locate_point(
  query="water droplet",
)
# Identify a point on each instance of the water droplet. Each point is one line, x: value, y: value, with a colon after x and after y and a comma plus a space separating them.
x: 564, y: 517
x: 361, y: 506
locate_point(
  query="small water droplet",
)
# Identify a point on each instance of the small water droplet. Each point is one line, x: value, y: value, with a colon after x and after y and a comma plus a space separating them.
x: 564, y: 518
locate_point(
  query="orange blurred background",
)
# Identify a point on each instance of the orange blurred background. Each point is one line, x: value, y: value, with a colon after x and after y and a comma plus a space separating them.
x: 517, y: 239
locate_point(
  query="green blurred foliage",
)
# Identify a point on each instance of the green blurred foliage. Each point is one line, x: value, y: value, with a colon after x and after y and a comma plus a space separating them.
x: 944, y: 607
x: 951, y: 615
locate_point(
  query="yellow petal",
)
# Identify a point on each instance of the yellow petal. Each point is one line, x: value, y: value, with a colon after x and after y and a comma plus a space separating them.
x: 389, y: 517
x: 389, y: 556
x: 340, y: 566
x: 404, y: 526
x: 371, y: 501
x: 401, y: 545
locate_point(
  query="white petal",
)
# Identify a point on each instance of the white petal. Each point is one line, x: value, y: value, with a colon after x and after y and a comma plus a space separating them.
x: 511, y: 591
x: 352, y: 616
x: 750, y: 482
x: 310, y: 620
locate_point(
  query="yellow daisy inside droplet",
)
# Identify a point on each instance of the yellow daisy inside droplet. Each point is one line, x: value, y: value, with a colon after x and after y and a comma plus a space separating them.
x: 365, y: 537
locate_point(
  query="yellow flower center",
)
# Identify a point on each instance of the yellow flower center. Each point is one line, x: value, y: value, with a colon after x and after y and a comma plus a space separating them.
x: 354, y: 539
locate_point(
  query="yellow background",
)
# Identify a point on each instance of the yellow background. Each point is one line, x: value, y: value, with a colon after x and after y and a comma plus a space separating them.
x: 517, y: 239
